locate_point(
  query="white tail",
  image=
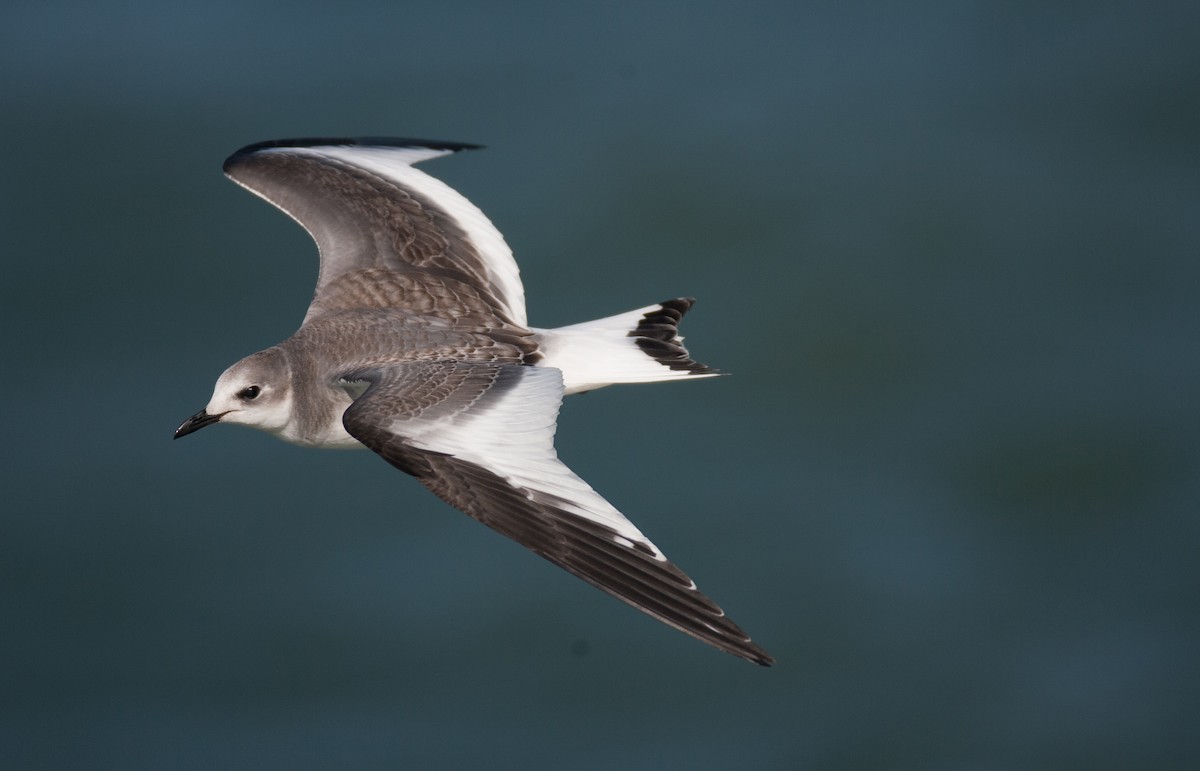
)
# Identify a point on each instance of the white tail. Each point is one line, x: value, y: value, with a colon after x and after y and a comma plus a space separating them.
x: 641, y: 346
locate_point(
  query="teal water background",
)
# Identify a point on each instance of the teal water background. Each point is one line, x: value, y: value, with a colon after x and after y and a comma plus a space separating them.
x: 948, y: 252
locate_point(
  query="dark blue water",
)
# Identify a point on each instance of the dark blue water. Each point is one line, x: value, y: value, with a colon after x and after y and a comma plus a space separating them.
x: 947, y: 250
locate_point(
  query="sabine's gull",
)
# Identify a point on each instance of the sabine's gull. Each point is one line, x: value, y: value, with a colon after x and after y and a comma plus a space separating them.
x: 416, y: 346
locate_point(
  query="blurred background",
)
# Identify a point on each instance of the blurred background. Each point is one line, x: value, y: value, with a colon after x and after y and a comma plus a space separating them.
x: 947, y: 250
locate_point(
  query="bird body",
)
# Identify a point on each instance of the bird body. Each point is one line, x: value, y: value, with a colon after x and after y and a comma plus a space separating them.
x: 416, y: 346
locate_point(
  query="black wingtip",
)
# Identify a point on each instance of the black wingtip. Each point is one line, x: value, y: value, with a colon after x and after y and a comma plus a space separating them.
x: 432, y: 144
x: 763, y: 659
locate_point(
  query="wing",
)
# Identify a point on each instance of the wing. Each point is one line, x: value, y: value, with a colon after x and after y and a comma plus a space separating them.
x: 480, y: 436
x: 389, y: 235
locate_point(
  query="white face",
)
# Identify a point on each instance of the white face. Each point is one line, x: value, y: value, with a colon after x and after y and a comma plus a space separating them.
x: 254, y: 392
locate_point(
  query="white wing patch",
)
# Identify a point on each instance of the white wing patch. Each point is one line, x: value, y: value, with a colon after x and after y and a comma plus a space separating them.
x: 514, y: 439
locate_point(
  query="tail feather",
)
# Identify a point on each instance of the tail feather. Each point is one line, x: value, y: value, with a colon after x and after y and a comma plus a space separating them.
x: 658, y: 335
x: 641, y: 346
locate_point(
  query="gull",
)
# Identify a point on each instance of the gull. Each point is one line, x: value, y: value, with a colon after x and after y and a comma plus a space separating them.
x: 416, y: 346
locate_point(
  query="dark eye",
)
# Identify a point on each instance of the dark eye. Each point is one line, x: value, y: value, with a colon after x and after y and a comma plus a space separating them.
x: 249, y: 392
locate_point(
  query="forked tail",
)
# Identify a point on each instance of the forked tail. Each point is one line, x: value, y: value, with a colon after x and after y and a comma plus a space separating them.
x: 641, y: 346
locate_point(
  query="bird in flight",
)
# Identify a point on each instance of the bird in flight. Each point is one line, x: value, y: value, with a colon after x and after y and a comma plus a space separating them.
x: 416, y: 347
